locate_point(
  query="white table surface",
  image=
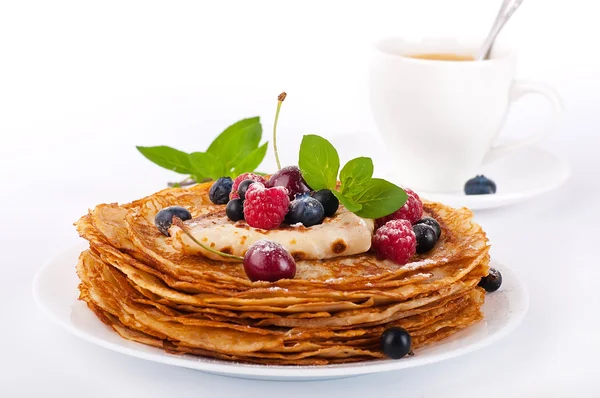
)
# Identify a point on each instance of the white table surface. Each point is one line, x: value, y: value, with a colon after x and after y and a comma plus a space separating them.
x: 68, y: 126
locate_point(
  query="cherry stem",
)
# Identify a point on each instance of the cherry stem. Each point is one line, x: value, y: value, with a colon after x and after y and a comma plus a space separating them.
x: 187, y: 182
x: 280, y: 99
x: 177, y: 221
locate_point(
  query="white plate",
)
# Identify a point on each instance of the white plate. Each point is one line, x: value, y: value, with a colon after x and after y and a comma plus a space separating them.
x: 55, y: 291
x: 519, y: 175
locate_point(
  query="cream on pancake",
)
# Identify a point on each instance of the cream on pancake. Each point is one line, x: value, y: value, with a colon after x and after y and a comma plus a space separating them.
x: 341, y: 235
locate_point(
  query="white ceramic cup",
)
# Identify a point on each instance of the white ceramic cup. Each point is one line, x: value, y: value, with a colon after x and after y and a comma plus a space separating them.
x: 439, y: 119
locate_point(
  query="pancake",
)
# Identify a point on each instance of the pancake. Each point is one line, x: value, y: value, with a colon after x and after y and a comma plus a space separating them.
x: 334, y: 310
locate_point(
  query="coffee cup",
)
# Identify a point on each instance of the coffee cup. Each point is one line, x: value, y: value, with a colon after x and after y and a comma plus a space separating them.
x: 439, y: 112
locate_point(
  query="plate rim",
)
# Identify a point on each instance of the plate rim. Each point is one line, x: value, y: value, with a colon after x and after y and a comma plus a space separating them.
x: 273, y: 372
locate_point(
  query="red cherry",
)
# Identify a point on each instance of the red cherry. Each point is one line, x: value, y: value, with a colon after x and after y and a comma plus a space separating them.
x: 290, y: 178
x: 268, y: 261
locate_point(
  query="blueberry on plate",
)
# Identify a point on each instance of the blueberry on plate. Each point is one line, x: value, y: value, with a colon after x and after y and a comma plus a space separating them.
x: 395, y: 342
x: 235, y: 209
x: 492, y: 281
x: 164, y: 218
x: 426, y: 237
x: 480, y: 185
x: 432, y: 222
x: 220, y: 190
x: 306, y: 210
x: 328, y: 200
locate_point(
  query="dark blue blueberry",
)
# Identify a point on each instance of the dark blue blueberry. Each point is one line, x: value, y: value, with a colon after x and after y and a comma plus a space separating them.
x: 492, y: 282
x: 480, y: 185
x: 220, y: 190
x: 235, y: 209
x: 426, y: 237
x: 328, y: 200
x: 395, y: 342
x: 243, y: 188
x: 433, y: 224
x: 164, y: 218
x: 306, y: 210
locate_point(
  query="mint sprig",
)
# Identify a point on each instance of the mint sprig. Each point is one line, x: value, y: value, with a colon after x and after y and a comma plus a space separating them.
x: 359, y: 192
x: 235, y: 151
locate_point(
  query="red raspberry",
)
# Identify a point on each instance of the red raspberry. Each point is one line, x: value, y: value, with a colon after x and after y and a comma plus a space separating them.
x: 395, y: 241
x: 246, y: 176
x: 411, y: 211
x: 265, y: 207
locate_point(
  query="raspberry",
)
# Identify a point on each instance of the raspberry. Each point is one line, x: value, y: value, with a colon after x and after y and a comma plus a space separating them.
x: 411, y: 211
x: 265, y: 207
x: 395, y: 241
x: 246, y: 176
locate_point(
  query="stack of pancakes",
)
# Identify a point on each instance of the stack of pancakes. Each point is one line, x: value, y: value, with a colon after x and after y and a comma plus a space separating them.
x: 333, y: 311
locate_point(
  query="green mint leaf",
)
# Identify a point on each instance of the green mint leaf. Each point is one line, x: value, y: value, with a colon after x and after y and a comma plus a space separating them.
x: 348, y: 203
x: 206, y: 165
x: 319, y: 162
x: 252, y: 161
x: 169, y: 158
x: 237, y: 141
x: 379, y: 198
x: 356, y: 173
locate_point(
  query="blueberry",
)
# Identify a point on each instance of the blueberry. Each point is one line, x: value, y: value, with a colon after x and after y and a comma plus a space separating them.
x: 395, y: 342
x: 433, y: 224
x: 328, y: 200
x: 235, y: 209
x: 306, y: 210
x: 492, y: 282
x: 480, y: 185
x: 220, y: 190
x: 426, y: 237
x: 243, y: 187
x: 164, y: 218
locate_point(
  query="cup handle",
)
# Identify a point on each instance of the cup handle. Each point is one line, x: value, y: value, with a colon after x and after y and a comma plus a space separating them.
x: 519, y: 89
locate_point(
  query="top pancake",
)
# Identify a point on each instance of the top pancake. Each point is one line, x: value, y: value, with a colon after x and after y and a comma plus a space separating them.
x: 130, y: 229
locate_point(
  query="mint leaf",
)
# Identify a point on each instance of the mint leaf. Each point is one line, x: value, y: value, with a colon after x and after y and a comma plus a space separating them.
x: 319, y: 162
x: 379, y: 198
x: 252, y: 161
x: 169, y: 158
x: 356, y: 173
x: 347, y: 202
x: 237, y: 141
x: 207, y: 165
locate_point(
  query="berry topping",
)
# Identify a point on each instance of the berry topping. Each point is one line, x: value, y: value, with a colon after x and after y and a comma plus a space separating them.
x: 220, y: 190
x: 411, y: 211
x: 164, y: 218
x: 238, y: 180
x: 235, y: 209
x: 492, y: 282
x: 306, y: 210
x: 328, y: 200
x: 265, y: 207
x: 395, y: 342
x: 291, y: 179
x: 426, y: 237
x: 432, y: 223
x: 268, y: 261
x: 244, y: 187
x: 480, y: 185
x: 395, y: 241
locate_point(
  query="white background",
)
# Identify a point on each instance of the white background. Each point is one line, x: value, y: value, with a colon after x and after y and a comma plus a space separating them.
x: 82, y: 83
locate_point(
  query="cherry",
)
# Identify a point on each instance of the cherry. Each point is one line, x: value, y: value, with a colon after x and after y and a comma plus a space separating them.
x: 268, y: 261
x: 290, y: 178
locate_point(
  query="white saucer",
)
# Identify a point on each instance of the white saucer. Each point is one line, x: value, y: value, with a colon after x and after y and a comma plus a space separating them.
x: 519, y: 176
x: 55, y: 291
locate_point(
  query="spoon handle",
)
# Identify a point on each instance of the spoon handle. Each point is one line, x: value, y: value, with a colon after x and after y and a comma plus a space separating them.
x: 507, y: 9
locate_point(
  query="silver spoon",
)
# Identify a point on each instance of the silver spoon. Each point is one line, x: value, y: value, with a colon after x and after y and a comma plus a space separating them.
x: 507, y: 9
